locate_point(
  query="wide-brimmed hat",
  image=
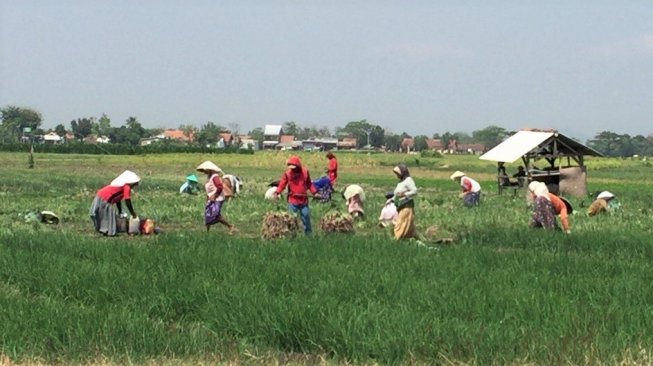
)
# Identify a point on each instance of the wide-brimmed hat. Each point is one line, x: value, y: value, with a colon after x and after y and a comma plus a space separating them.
x: 127, y: 177
x: 192, y: 178
x: 605, y: 195
x: 208, y: 166
x: 457, y: 174
x: 570, y: 208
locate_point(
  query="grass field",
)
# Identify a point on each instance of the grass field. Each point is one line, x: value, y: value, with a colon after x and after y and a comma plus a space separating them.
x: 500, y: 294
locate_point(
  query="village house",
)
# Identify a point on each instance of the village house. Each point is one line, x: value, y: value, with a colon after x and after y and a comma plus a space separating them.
x: 347, y: 143
x: 272, y: 136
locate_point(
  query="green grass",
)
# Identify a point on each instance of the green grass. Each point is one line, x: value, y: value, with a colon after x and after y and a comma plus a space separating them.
x: 503, y: 293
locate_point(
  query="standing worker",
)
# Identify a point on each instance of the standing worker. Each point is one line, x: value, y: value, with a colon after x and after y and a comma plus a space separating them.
x: 404, y: 194
x: 471, y: 189
x: 103, y: 209
x: 332, y: 170
x: 214, y: 197
x: 298, y: 181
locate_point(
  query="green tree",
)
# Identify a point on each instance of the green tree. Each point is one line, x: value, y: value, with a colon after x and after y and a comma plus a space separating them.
x: 189, y: 131
x: 420, y: 143
x: 257, y: 134
x: 290, y: 128
x: 135, y: 127
x: 208, y: 133
x: 490, y: 136
x: 60, y: 130
x: 607, y: 142
x: 16, y: 119
x: 392, y: 141
x: 103, y: 125
x: 81, y: 127
x: 364, y: 132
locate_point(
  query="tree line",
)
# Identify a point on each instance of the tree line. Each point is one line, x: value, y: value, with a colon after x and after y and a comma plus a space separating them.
x: 367, y: 134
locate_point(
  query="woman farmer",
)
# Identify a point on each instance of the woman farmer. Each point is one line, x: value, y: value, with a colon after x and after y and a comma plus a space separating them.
x: 191, y: 185
x: 103, y: 209
x: 355, y: 196
x: 214, y: 196
x: 404, y: 193
x: 604, y: 202
x: 298, y: 181
x: 332, y: 169
x: 543, y: 211
x: 562, y: 208
x: 471, y: 189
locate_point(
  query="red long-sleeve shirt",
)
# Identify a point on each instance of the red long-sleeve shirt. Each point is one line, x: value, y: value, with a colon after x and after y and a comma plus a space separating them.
x: 561, y: 209
x: 332, y: 170
x: 298, y: 183
x: 115, y: 194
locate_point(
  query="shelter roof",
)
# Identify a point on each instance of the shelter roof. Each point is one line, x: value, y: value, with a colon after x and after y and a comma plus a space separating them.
x: 272, y: 130
x: 537, y: 143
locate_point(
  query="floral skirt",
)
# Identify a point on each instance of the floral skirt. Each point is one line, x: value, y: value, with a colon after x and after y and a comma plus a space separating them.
x: 544, y: 214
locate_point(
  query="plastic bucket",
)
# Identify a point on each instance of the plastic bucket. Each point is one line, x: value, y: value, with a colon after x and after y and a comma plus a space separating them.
x: 134, y: 226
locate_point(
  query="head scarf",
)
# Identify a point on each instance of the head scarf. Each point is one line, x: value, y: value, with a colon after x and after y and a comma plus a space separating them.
x: 402, y: 171
x: 539, y: 189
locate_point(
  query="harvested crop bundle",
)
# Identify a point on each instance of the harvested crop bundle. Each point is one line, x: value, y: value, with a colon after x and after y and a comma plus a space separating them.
x: 278, y: 225
x: 335, y: 222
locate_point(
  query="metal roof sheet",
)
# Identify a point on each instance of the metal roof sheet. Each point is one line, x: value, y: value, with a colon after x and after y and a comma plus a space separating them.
x: 516, y: 146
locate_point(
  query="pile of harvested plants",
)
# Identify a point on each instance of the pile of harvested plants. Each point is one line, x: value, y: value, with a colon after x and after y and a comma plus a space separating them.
x: 335, y: 222
x: 278, y: 225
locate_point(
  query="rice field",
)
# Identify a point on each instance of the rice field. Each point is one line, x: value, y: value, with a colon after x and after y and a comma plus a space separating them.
x: 500, y: 293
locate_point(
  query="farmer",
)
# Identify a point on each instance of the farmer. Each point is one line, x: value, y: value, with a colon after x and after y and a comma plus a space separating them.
x: 471, y: 193
x: 543, y: 211
x: 355, y: 196
x: 332, y: 169
x: 191, y: 185
x: 605, y: 201
x: 231, y: 185
x: 404, y: 194
x: 271, y: 192
x: 103, y: 209
x: 388, y: 212
x: 562, y: 208
x: 298, y: 181
x: 214, y: 196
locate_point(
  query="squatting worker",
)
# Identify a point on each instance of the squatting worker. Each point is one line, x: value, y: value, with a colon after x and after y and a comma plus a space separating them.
x: 298, y: 180
x: 543, y: 211
x: 471, y: 193
x: 604, y: 202
x: 103, y: 209
x: 332, y: 169
x: 214, y: 196
x: 404, y: 194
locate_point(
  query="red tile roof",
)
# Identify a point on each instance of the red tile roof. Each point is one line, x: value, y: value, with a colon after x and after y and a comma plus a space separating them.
x: 286, y: 139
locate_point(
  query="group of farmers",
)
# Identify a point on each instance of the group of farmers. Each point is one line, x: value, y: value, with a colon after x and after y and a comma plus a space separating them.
x: 397, y: 211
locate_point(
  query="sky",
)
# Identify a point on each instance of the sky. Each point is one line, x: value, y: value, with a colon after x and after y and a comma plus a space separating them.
x: 419, y: 67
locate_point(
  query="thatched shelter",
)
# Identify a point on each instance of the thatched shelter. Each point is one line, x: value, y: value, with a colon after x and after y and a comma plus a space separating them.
x: 564, y: 170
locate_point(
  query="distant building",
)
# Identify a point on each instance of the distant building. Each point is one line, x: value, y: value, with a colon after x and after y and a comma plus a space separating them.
x: 272, y: 136
x: 320, y: 144
x: 347, y: 143
x: 176, y: 134
x: 52, y: 138
x: 407, y: 145
x: 247, y: 142
x: 434, y: 145
x: 288, y: 142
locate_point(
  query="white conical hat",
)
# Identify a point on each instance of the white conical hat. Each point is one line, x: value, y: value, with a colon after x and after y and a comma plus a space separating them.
x: 605, y: 195
x: 456, y: 174
x: 352, y: 190
x: 208, y: 166
x: 127, y: 177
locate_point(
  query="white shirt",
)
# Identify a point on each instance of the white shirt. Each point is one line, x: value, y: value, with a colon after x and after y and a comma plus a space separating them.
x: 476, y: 187
x: 406, y: 186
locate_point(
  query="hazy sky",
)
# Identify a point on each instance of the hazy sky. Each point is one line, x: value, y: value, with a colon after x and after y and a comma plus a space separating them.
x: 414, y: 66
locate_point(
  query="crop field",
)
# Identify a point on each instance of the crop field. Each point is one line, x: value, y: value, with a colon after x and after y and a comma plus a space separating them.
x: 500, y: 293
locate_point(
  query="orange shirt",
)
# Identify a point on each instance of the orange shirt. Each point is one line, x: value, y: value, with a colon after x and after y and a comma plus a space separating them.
x: 561, y: 209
